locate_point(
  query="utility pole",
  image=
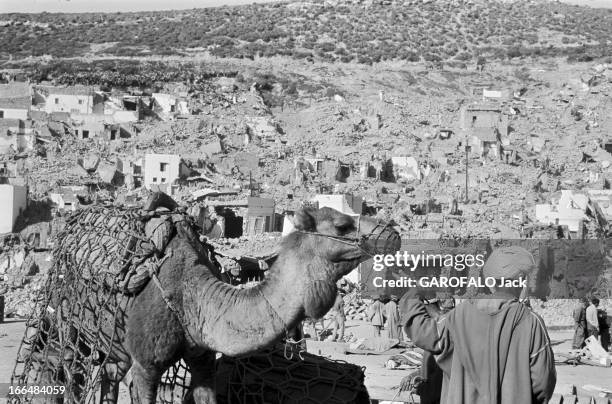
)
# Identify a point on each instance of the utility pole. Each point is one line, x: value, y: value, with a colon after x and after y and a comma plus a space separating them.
x: 466, y: 173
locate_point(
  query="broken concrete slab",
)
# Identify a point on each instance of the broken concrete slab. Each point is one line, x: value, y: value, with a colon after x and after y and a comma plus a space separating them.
x: 212, y: 148
x: 246, y: 161
x: 90, y: 162
x: 107, y: 172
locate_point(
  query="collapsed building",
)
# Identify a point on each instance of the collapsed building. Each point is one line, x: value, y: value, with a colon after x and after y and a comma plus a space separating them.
x: 485, y: 127
x: 221, y: 138
x: 223, y: 217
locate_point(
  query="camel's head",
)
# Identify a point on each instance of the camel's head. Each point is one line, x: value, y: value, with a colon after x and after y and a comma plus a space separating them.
x: 330, y: 244
x: 346, y: 240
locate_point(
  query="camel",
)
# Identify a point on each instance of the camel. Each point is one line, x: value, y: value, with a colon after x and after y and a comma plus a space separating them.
x: 213, y: 317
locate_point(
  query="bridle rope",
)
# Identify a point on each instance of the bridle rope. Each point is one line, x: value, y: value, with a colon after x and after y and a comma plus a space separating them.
x: 352, y: 241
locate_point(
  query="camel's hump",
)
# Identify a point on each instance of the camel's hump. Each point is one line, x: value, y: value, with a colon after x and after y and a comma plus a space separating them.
x: 106, y: 242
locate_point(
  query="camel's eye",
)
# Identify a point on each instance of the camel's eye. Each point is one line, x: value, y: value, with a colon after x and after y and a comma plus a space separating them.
x: 344, y: 225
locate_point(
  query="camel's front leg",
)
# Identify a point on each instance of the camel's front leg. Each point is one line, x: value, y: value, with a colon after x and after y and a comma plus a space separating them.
x: 202, y: 370
x: 144, y: 384
x: 112, y: 374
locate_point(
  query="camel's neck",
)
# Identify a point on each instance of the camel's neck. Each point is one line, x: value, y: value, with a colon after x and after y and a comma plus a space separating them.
x: 284, y: 289
x: 238, y: 321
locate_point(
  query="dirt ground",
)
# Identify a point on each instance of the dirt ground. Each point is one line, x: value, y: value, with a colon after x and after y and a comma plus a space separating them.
x: 379, y: 380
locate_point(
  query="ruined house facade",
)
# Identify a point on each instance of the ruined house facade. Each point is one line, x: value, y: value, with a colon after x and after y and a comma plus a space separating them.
x: 484, y: 126
x: 77, y: 99
x: 260, y: 217
x: 16, y: 134
x: 15, y: 101
x: 161, y: 169
x: 168, y: 105
x: 567, y: 208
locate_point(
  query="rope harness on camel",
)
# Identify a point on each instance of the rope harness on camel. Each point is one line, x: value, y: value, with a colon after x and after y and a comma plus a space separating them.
x: 102, y: 259
x: 358, y: 241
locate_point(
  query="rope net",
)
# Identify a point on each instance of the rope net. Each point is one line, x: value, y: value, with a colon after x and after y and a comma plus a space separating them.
x: 287, y: 374
x: 102, y: 258
x: 175, y: 384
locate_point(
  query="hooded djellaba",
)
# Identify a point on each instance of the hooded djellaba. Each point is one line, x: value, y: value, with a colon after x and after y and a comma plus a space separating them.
x: 394, y: 329
x: 493, y: 349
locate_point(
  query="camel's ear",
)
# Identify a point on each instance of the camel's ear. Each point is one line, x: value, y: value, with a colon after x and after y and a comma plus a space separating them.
x: 160, y: 200
x: 304, y: 220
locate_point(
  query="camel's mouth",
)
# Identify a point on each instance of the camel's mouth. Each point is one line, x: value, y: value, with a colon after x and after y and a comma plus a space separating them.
x: 349, y: 257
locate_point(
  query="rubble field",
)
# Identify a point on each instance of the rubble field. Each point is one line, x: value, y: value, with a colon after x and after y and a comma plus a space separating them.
x: 394, y: 134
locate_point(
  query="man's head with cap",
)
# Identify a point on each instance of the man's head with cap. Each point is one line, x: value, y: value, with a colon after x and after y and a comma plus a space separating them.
x: 511, y: 262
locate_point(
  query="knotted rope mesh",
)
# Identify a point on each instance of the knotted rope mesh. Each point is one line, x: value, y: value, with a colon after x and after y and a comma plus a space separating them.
x: 101, y: 259
x: 382, y: 239
x: 174, y: 384
x: 284, y: 376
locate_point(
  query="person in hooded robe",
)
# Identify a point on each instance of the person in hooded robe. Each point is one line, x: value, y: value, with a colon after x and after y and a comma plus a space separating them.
x: 580, y: 323
x: 491, y: 349
x: 376, y: 315
x: 427, y: 381
x: 338, y: 317
x: 394, y: 328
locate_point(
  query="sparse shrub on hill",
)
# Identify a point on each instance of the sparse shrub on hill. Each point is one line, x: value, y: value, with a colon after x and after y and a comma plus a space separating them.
x: 440, y: 30
x: 118, y: 73
x: 463, y: 56
x: 514, y: 52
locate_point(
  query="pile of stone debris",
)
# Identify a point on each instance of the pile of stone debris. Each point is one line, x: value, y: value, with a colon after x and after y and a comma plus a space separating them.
x: 354, y: 306
x: 22, y: 271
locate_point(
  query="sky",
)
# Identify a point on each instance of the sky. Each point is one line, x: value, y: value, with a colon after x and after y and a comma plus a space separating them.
x: 591, y: 3
x: 79, y: 6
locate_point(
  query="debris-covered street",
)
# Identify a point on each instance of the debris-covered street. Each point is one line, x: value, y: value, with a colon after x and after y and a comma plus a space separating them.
x: 382, y: 383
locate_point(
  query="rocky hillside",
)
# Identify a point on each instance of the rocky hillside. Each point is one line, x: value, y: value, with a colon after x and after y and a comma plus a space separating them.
x: 364, y: 31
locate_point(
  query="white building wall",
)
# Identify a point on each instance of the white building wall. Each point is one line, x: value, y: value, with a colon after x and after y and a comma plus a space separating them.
x: 57, y: 200
x: 13, y: 199
x: 20, y: 142
x: 406, y: 167
x: 153, y: 174
x: 569, y: 211
x: 6, y: 215
x: 10, y: 113
x: 288, y: 226
x: 354, y: 276
x: 165, y: 101
x: 337, y: 202
x: 82, y: 104
x: 124, y: 116
x: 20, y: 200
